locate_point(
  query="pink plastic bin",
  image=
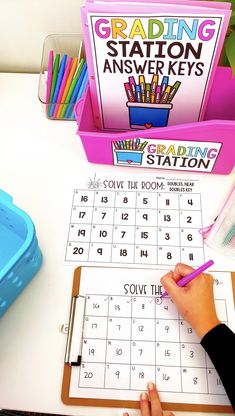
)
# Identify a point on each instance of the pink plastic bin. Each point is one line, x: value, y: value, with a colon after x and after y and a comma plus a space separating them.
x: 206, y: 146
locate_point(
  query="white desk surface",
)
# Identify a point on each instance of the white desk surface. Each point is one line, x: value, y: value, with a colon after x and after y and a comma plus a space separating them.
x: 38, y: 159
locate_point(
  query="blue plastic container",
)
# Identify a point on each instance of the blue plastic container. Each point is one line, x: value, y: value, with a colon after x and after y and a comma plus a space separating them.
x: 20, y: 256
x: 145, y: 115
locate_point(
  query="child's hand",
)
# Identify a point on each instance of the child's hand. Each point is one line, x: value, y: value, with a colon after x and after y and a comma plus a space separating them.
x: 150, y: 404
x: 195, y: 301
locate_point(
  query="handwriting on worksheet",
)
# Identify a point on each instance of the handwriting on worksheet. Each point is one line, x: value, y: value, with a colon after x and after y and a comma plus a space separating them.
x: 128, y: 341
x: 131, y: 336
x: 153, y: 221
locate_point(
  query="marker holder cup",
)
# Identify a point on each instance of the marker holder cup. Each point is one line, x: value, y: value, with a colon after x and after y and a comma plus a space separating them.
x: 73, y: 47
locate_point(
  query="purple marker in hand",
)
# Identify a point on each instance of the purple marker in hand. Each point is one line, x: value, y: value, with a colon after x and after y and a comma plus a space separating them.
x: 186, y: 279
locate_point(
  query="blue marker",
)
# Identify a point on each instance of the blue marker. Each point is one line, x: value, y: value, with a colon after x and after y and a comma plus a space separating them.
x: 121, y: 144
x: 164, y: 84
x: 75, y: 91
x: 138, y: 96
x: 81, y: 91
x: 137, y: 142
x: 58, y: 83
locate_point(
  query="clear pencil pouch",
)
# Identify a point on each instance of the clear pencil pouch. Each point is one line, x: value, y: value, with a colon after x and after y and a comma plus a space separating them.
x: 221, y: 235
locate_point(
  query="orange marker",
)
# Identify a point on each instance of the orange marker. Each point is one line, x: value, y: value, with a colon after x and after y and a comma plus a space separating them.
x: 67, y: 85
x: 153, y: 88
x: 165, y: 95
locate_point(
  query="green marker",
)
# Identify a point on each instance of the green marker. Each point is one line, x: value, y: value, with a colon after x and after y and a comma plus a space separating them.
x: 54, y: 78
x: 147, y: 93
x: 72, y: 86
x: 143, y: 145
x: 173, y: 91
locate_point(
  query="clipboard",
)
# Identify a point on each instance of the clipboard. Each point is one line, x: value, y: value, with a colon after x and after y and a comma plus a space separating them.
x: 73, y: 357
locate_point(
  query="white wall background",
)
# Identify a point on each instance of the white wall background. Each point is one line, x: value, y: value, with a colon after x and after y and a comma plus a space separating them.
x: 24, y: 24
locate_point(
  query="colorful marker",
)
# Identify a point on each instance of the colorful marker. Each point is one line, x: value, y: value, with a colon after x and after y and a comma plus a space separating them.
x: 72, y: 87
x: 49, y: 78
x: 137, y: 143
x: 147, y: 93
x: 129, y: 92
x: 76, y: 91
x: 153, y: 88
x: 67, y: 86
x: 81, y: 91
x: 132, y: 84
x: 116, y: 145
x: 63, y: 84
x: 158, y: 95
x: 121, y: 144
x: 165, y: 95
x: 138, y: 94
x: 142, y: 87
x: 58, y: 84
x: 143, y: 145
x: 54, y: 78
x: 164, y: 84
x: 174, y: 90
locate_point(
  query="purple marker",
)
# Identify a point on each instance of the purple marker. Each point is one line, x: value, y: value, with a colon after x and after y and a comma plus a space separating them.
x: 186, y: 279
x: 158, y: 95
x: 132, y: 84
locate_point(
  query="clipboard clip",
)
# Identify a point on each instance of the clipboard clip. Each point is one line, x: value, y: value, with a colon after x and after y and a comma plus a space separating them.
x: 75, y: 329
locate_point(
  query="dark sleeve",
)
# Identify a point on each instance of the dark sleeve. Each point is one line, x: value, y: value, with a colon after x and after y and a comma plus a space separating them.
x: 219, y: 344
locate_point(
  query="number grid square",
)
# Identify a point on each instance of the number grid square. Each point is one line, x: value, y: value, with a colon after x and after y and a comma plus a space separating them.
x: 140, y: 339
x: 134, y: 227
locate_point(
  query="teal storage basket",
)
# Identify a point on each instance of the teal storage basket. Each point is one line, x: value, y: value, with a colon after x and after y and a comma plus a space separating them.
x: 20, y: 256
